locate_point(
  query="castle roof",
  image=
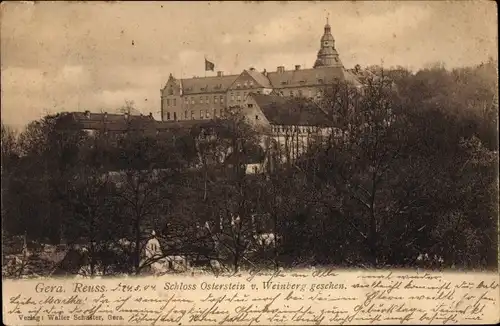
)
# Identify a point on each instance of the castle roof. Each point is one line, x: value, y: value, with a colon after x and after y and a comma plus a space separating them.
x: 306, y: 77
x: 296, y: 112
x: 260, y: 78
x: 276, y: 79
x: 201, y: 85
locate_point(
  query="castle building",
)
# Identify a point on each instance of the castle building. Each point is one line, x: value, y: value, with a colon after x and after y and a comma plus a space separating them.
x: 201, y: 98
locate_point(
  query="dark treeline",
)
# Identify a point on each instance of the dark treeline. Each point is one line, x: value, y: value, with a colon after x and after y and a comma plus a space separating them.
x: 411, y: 172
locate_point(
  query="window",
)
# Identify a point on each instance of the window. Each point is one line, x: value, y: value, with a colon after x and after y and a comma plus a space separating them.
x: 300, y: 92
x: 201, y: 99
x: 168, y: 115
x: 291, y: 93
x: 251, y: 83
x: 175, y: 116
x: 215, y: 113
x: 201, y: 114
x: 256, y: 117
x: 250, y: 105
x: 168, y: 102
x: 238, y: 85
x: 221, y: 99
x: 238, y: 97
x: 245, y: 84
x: 232, y: 97
x: 175, y: 100
x: 192, y: 100
x: 244, y: 95
x: 192, y: 114
x: 207, y: 100
x: 215, y: 99
x: 185, y: 115
x: 170, y: 91
x: 221, y: 113
x: 207, y: 114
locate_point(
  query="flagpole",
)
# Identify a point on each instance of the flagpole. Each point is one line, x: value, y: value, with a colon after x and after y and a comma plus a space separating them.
x: 205, y: 66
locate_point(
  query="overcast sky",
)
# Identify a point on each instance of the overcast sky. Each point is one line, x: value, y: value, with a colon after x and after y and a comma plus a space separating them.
x: 77, y: 56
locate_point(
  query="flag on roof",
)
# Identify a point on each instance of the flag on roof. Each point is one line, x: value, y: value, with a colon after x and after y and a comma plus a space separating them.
x: 209, y: 65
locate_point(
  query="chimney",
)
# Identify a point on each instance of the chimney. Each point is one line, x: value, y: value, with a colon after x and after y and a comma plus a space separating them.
x: 297, y: 67
x: 151, y: 115
x: 105, y: 115
x: 220, y: 73
x: 264, y: 72
x: 281, y: 69
x: 252, y: 68
x: 87, y: 114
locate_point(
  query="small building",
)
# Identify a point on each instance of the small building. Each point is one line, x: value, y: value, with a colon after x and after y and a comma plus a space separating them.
x: 107, y: 123
x: 252, y: 160
x: 292, y: 124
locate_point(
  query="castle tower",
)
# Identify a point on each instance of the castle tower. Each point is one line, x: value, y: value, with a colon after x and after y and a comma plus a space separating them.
x: 327, y: 55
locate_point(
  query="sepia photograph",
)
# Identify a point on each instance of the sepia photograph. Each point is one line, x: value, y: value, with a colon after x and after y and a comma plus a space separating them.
x: 172, y: 140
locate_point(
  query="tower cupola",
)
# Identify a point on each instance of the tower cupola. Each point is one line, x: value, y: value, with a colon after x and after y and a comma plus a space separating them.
x: 327, y: 54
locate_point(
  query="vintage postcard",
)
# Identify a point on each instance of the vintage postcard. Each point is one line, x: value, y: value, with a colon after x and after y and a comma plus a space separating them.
x: 249, y: 163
